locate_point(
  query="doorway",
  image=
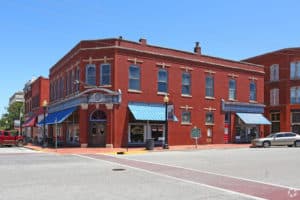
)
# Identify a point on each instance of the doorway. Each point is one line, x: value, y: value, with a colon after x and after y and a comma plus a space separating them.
x: 97, y: 129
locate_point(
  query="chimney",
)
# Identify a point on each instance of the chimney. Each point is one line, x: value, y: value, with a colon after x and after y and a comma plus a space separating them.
x: 197, y: 48
x: 143, y: 42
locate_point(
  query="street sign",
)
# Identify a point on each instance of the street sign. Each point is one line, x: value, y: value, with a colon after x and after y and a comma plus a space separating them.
x: 195, y: 132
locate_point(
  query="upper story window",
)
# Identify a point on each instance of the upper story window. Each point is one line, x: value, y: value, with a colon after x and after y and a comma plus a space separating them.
x: 252, y: 91
x: 209, y: 117
x: 274, y: 96
x: 186, y: 83
x: 77, y: 78
x: 105, y: 76
x: 232, y: 89
x: 295, y: 95
x: 162, y: 81
x: 274, y: 72
x: 186, y: 117
x: 295, y: 70
x: 134, y: 77
x: 90, y: 74
x: 209, y: 86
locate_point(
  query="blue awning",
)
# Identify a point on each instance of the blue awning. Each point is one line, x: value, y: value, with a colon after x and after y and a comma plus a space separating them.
x: 253, y: 118
x: 57, y: 117
x: 148, y: 111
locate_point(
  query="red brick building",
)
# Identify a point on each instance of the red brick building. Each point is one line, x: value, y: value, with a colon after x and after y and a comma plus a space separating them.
x: 35, y: 92
x: 282, y: 88
x: 110, y: 93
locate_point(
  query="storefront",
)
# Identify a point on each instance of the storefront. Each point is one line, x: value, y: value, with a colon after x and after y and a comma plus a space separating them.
x: 247, y: 120
x: 147, y: 121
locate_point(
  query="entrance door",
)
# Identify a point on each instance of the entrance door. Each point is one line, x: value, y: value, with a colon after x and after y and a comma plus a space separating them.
x: 97, y: 134
x: 97, y: 129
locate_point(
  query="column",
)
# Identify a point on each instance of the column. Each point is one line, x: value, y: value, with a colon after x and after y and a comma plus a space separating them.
x: 83, y: 127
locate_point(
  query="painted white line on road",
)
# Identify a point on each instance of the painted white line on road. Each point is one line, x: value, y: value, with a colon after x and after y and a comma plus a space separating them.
x: 226, y: 176
x: 172, y: 177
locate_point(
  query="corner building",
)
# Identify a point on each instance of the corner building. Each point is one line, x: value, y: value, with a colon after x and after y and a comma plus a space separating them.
x: 110, y: 93
x: 282, y: 88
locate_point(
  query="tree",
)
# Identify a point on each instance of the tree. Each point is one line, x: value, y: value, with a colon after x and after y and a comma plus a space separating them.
x: 13, y: 113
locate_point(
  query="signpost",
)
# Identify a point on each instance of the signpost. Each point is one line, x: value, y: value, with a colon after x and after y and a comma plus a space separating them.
x: 196, y: 134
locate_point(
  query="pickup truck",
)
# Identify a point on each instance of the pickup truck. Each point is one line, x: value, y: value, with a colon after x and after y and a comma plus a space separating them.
x: 10, y: 138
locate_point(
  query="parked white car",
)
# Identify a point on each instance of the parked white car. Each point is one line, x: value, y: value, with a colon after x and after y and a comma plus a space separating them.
x: 278, y: 139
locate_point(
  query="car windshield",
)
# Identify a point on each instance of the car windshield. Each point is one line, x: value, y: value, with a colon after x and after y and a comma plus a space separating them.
x: 271, y: 135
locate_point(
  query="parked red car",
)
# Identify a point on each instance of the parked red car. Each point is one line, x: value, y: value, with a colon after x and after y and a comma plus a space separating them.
x: 10, y: 138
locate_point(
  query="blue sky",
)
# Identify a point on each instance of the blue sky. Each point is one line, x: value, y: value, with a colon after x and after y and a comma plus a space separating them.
x: 35, y: 34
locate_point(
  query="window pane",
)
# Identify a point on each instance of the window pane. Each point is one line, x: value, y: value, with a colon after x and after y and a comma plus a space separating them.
x: 298, y: 70
x: 137, y: 133
x: 209, y: 117
x: 293, y: 70
x: 209, y: 90
x: 253, y: 91
x: 105, y: 74
x: 186, y: 117
x: 232, y: 89
x: 186, y: 83
x: 162, y: 85
x: 134, y: 77
x: 162, y: 75
x: 90, y: 75
x: 293, y: 95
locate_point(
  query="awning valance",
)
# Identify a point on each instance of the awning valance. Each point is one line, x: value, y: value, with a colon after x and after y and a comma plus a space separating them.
x: 148, y: 111
x: 57, y: 117
x: 253, y: 118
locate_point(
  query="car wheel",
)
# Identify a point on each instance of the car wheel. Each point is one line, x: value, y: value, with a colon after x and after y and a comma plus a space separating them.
x: 266, y: 144
x: 297, y: 143
x: 20, y: 143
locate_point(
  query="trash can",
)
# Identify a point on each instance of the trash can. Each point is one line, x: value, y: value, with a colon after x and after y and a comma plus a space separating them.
x: 150, y: 144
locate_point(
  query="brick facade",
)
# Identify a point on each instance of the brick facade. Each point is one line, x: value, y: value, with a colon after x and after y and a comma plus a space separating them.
x: 67, y: 91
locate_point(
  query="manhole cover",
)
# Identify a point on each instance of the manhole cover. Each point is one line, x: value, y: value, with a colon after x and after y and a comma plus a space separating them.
x: 118, y: 169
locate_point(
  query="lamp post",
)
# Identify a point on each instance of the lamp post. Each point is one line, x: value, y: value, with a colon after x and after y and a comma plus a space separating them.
x: 45, y: 104
x: 166, y: 101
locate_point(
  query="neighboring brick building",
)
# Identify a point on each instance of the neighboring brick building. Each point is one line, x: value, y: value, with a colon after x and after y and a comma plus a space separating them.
x: 36, y: 91
x: 110, y: 93
x: 282, y: 88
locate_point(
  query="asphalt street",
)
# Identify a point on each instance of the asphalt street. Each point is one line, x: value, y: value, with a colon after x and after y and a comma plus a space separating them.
x: 26, y: 174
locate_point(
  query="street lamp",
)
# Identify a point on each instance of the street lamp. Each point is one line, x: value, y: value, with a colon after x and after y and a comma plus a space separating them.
x: 166, y: 101
x: 45, y: 104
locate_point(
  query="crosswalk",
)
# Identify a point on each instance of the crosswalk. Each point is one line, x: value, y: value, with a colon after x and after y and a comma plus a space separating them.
x: 15, y: 150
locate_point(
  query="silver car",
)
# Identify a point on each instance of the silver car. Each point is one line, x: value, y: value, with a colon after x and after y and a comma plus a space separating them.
x: 278, y: 139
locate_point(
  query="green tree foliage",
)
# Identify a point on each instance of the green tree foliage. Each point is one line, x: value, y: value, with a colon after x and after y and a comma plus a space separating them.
x: 13, y: 113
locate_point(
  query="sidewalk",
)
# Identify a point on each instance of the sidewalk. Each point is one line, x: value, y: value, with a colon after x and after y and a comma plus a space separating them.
x: 97, y: 150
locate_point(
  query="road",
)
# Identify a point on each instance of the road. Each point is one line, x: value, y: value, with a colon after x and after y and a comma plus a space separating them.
x: 206, y: 174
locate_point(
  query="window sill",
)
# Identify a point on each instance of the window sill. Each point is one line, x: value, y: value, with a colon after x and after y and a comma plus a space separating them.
x: 105, y: 86
x: 186, y: 95
x: 210, y: 98
x: 251, y: 101
x: 186, y: 124
x: 162, y: 93
x: 134, y: 91
x: 209, y: 124
x: 235, y: 100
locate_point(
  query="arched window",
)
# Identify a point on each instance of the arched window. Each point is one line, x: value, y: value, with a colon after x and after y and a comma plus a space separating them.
x: 90, y: 74
x: 98, y: 115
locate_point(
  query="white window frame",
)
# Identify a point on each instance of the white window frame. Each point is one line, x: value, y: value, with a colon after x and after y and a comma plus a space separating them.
x: 274, y: 96
x: 129, y: 133
x: 232, y: 90
x: 274, y: 72
x: 90, y: 76
x: 296, y: 91
x: 295, y: 70
x: 209, y: 88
